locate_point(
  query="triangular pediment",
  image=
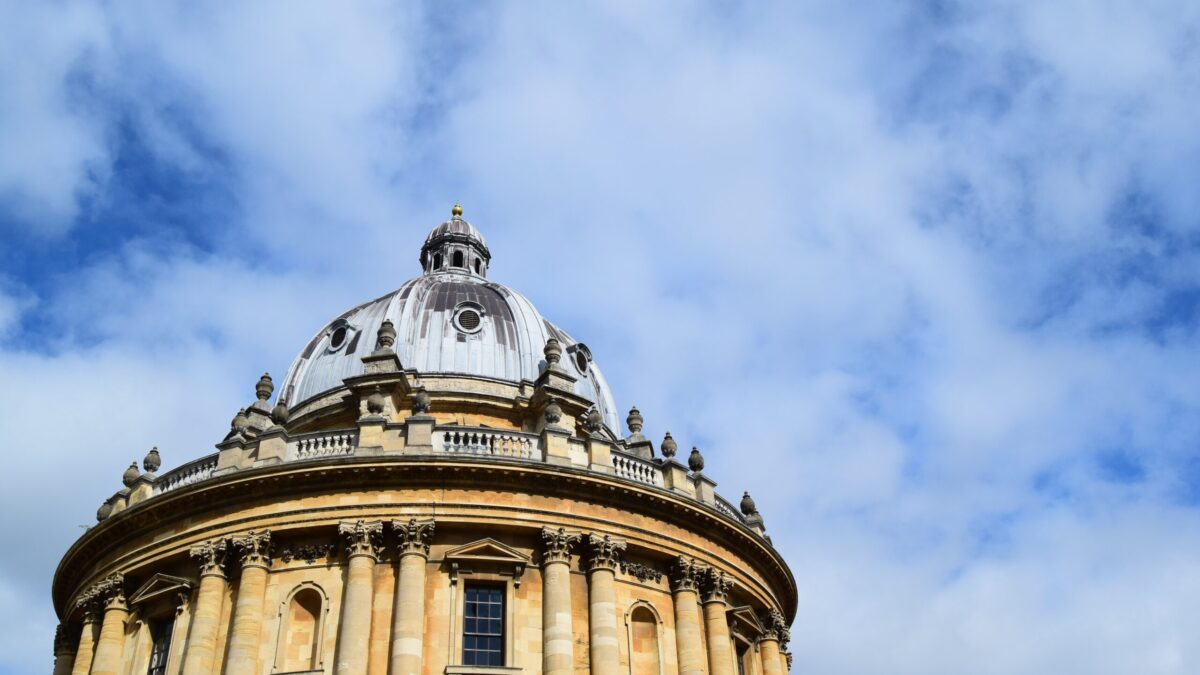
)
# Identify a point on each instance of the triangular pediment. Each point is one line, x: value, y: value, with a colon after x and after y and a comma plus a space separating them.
x: 160, y: 586
x: 488, y: 550
x: 745, y: 621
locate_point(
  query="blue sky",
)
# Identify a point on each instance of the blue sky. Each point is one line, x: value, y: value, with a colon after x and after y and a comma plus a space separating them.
x: 923, y: 277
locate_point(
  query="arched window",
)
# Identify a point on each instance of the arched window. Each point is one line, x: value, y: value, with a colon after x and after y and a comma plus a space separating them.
x: 458, y: 259
x: 644, y: 652
x: 300, y: 632
x: 437, y: 261
x: 477, y: 266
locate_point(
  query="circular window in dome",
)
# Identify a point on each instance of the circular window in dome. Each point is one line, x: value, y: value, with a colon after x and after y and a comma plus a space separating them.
x: 582, y: 358
x: 339, y: 335
x: 469, y: 319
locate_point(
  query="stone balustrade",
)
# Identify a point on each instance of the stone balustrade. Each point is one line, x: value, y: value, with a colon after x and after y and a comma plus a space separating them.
x: 447, y: 441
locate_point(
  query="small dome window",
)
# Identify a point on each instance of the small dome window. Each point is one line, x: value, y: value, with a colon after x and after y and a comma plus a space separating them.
x: 339, y: 335
x: 458, y: 259
x: 469, y: 318
x: 582, y: 358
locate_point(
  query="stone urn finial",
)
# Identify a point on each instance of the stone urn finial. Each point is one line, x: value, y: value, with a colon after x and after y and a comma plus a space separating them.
x: 264, y: 388
x: 634, y: 421
x: 104, y: 511
x: 696, y: 461
x: 152, y: 461
x: 375, y: 402
x: 240, y: 422
x: 748, y: 507
x: 669, y: 446
x: 131, y: 474
x: 553, y: 413
x: 593, y: 421
x: 420, y: 401
x: 553, y: 352
x: 386, y: 337
x: 280, y: 413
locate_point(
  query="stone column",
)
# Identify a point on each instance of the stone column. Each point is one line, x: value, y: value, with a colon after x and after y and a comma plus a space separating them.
x: 558, y: 657
x: 64, y: 651
x: 88, y: 604
x: 685, y: 577
x: 716, y: 585
x: 254, y: 551
x: 110, y: 648
x: 771, y: 641
x: 603, y: 555
x: 201, y: 652
x: 408, y: 610
x: 363, y: 539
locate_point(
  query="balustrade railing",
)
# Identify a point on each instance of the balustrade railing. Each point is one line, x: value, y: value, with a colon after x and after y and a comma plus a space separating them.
x: 491, y: 442
x: 635, y: 468
x: 325, y: 444
x: 192, y: 472
x: 728, y: 509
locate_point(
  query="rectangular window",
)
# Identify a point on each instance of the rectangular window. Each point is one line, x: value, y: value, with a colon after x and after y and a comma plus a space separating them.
x: 160, y: 634
x: 483, y: 625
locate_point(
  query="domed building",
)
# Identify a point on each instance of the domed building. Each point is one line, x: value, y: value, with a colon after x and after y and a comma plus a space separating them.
x: 440, y: 487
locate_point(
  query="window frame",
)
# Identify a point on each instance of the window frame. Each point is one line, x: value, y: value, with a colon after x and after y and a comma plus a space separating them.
x: 498, y: 588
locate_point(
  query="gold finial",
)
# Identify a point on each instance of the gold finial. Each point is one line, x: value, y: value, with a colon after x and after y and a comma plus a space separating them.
x: 457, y: 210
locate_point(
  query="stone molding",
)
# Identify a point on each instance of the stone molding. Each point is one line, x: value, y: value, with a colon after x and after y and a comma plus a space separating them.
x: 254, y: 548
x: 362, y: 537
x: 604, y: 552
x: 212, y: 556
x: 556, y: 545
x: 413, y: 536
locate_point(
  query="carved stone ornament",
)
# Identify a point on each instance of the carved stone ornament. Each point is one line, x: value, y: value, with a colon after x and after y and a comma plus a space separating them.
x: 788, y: 656
x: 696, y: 461
x: 775, y: 628
x: 309, y: 553
x: 111, y: 591
x: 211, y: 555
x: 240, y: 423
x: 65, y: 643
x: 386, y: 337
x: 363, y: 537
x: 557, y: 544
x: 131, y: 474
x: 685, y: 574
x: 604, y: 552
x: 104, y: 511
x: 375, y: 402
x: 420, y: 401
x: 413, y: 536
x: 552, y: 352
x: 715, y: 585
x: 152, y: 461
x: 640, y: 572
x: 254, y: 548
x: 89, y: 605
x: 669, y: 447
x: 264, y: 388
x: 592, y: 421
x: 553, y: 413
x: 280, y: 413
x: 634, y: 421
x: 747, y: 506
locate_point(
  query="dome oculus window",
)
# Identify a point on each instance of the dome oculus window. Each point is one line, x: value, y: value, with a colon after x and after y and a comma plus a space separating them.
x: 468, y: 319
x: 339, y: 335
x: 582, y: 357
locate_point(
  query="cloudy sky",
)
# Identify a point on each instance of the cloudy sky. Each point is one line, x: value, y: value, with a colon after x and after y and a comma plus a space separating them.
x: 924, y: 277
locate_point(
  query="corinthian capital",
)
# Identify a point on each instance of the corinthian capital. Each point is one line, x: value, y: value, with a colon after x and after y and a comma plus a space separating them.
x: 211, y: 556
x: 413, y: 536
x: 557, y: 544
x: 363, y: 537
x: 715, y: 585
x: 254, y: 548
x: 111, y: 591
x: 775, y: 628
x: 89, y: 605
x: 685, y: 574
x: 604, y: 552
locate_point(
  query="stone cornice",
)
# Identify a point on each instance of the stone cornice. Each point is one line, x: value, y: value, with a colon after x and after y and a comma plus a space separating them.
x: 103, y: 541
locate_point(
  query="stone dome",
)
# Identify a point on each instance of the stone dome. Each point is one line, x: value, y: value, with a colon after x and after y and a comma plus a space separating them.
x: 450, y: 320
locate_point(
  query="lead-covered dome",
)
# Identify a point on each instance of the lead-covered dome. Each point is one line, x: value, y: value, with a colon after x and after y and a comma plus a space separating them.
x: 450, y: 320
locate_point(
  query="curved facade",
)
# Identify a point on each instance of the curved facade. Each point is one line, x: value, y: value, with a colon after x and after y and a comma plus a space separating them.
x: 401, y: 510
